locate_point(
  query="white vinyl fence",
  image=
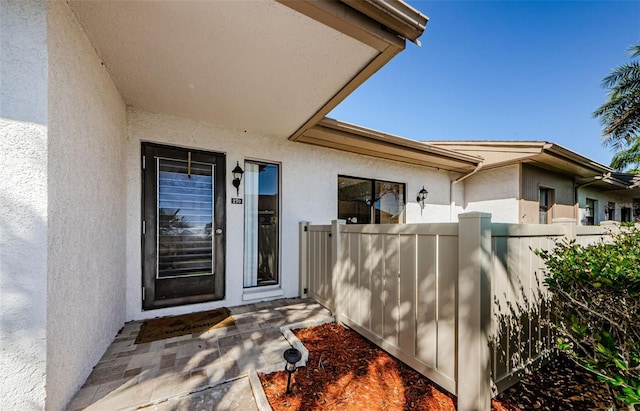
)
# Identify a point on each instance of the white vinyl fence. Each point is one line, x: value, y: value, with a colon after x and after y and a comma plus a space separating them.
x: 462, y: 303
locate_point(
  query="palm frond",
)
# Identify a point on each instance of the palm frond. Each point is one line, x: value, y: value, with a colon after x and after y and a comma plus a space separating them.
x: 627, y: 157
x: 620, y: 114
x: 622, y: 74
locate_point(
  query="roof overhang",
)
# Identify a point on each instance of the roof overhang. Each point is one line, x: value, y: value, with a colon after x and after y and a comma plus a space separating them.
x: 541, y: 154
x: 271, y: 67
x: 617, y: 183
x: 356, y: 139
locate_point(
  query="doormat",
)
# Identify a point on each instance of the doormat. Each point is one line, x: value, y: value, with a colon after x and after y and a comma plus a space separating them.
x: 167, y: 327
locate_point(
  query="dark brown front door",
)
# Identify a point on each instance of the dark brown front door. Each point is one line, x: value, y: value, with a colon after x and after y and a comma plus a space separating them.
x: 183, y: 226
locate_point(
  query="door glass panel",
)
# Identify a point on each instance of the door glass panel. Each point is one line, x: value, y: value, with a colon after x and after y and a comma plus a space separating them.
x: 185, y: 216
x: 590, y: 212
x: 262, y: 222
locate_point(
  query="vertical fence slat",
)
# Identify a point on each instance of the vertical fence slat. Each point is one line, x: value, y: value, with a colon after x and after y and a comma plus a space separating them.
x: 407, y: 303
x: 391, y: 274
x: 427, y: 289
x: 377, y: 284
x: 364, y: 301
x: 446, y: 306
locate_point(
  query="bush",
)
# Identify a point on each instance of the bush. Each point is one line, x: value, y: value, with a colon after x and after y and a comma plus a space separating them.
x: 596, y: 308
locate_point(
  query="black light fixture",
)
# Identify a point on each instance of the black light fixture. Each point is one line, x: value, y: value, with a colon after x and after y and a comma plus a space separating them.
x: 237, y: 177
x: 422, y: 196
x: 291, y: 356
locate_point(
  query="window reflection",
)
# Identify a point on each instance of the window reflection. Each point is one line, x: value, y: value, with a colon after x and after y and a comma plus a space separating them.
x: 185, y: 215
x: 262, y: 222
x: 366, y: 201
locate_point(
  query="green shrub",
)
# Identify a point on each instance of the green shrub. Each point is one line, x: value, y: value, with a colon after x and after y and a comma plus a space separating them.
x: 596, y: 308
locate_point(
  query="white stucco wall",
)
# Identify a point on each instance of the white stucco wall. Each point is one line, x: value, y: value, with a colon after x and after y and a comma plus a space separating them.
x: 602, y: 198
x: 494, y: 191
x: 87, y: 186
x: 309, y: 193
x: 23, y: 204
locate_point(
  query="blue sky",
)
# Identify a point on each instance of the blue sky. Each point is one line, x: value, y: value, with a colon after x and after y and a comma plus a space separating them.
x: 502, y: 70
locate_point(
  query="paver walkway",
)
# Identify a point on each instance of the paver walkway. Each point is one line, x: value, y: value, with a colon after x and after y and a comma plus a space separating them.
x: 180, y: 372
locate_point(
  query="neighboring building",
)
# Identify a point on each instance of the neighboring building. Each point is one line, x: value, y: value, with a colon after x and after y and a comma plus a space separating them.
x: 615, y: 197
x: 533, y: 182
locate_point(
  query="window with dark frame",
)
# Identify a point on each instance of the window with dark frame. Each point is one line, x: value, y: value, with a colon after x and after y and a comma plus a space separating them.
x: 625, y: 214
x: 546, y: 203
x: 370, y: 201
x: 610, y: 211
x: 590, y: 211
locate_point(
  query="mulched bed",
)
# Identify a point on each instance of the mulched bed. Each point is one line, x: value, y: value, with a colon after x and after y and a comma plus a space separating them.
x: 347, y: 372
x: 558, y: 385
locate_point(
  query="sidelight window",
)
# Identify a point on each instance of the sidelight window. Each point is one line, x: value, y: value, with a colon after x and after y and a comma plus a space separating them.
x: 262, y: 223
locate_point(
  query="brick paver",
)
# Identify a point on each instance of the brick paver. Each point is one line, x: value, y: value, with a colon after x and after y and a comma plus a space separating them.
x: 183, y: 371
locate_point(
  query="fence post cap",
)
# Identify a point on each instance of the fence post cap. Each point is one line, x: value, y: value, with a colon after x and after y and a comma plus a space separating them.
x: 474, y: 214
x: 564, y: 220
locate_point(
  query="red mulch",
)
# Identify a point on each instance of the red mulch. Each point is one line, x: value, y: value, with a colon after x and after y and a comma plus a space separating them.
x: 346, y: 372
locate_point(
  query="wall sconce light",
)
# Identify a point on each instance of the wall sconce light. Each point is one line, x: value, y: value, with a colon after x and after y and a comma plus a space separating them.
x: 422, y: 196
x: 237, y: 177
x: 291, y: 356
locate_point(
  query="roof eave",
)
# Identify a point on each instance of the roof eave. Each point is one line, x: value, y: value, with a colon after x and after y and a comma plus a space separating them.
x: 356, y: 139
x: 369, y: 22
x: 560, y: 151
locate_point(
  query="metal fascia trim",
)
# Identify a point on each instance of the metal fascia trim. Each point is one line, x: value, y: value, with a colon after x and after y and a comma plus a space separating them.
x: 397, y: 15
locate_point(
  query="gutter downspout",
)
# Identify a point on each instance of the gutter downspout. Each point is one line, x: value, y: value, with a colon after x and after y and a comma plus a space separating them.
x: 459, y: 179
x: 456, y: 181
x: 575, y: 193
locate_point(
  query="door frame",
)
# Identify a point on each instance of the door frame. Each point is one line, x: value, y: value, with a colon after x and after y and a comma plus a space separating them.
x: 149, y: 220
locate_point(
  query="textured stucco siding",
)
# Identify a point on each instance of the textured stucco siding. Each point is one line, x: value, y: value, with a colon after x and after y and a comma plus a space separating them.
x: 309, y: 193
x: 87, y: 181
x: 494, y: 191
x: 23, y: 204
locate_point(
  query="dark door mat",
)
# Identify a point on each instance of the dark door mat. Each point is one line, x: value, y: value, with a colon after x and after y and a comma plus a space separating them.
x: 167, y: 327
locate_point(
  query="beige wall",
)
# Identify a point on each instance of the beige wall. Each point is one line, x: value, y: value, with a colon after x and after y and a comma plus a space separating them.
x: 309, y: 178
x: 534, y: 178
x: 494, y: 191
x: 23, y: 204
x: 86, y: 270
x: 529, y: 211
